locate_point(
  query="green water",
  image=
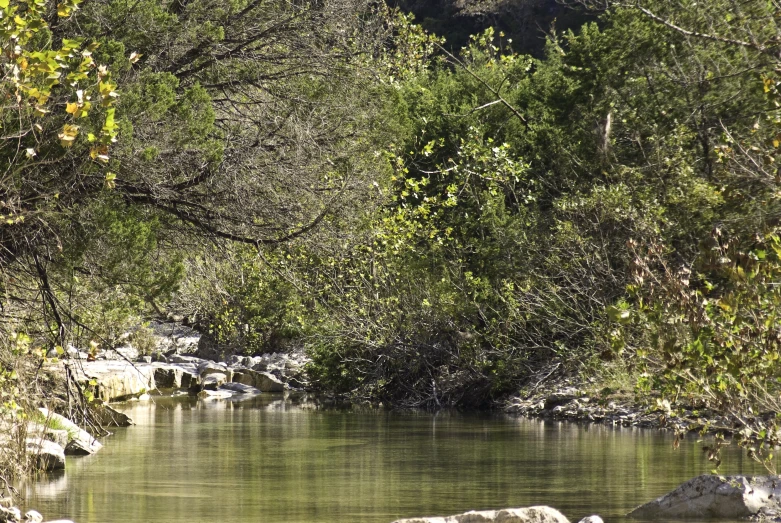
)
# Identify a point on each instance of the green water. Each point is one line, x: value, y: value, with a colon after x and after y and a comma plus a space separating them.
x: 272, y: 461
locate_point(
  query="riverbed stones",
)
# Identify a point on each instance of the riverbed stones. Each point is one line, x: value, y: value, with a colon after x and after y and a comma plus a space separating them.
x: 541, y: 514
x: 711, y: 496
x: 46, y: 454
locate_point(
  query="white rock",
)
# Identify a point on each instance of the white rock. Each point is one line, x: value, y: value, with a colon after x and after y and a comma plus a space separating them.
x: 262, y: 381
x: 80, y: 442
x: 591, y: 519
x: 10, y: 514
x: 47, y: 454
x: 33, y: 516
x: 716, y: 497
x: 540, y: 514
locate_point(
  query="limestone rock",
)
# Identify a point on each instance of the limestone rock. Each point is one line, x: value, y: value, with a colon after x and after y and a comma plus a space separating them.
x: 210, y: 367
x: 10, y: 514
x: 263, y: 381
x: 39, y: 430
x: 116, y: 380
x: 710, y: 496
x: 46, y: 454
x: 33, y: 516
x: 110, y: 417
x: 176, y: 376
x: 175, y: 337
x: 80, y: 442
x: 213, y: 381
x: 540, y: 514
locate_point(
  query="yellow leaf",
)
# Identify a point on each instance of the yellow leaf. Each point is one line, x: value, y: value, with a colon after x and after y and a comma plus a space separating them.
x: 68, y: 135
x: 71, y: 108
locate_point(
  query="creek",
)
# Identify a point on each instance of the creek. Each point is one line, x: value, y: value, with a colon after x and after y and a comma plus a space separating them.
x: 281, y: 460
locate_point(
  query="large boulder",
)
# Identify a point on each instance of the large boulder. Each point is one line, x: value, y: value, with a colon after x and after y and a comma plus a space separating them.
x: 109, y: 417
x: 263, y: 381
x: 181, y: 376
x: 212, y: 381
x: 540, y: 514
x: 46, y: 454
x: 209, y: 367
x: 116, y: 380
x: 716, y: 497
x: 80, y: 442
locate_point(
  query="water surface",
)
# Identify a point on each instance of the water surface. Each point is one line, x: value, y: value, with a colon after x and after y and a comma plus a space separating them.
x: 270, y: 460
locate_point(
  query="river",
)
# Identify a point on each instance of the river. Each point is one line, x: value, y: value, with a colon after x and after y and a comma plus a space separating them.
x: 272, y: 460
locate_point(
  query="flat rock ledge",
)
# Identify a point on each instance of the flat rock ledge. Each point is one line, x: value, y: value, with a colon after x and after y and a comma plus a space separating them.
x: 540, y: 514
x: 717, y: 497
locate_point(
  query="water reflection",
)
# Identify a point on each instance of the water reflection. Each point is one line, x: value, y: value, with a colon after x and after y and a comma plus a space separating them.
x: 283, y: 460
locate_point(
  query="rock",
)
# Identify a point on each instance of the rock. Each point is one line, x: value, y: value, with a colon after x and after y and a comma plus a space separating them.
x: 175, y: 337
x: 33, y: 516
x: 591, y: 519
x: 263, y: 381
x: 240, y: 388
x: 128, y: 352
x: 175, y: 376
x: 209, y: 367
x: 510, y: 515
x: 10, y: 514
x: 722, y: 497
x: 144, y: 397
x: 116, y: 380
x: 38, y: 430
x: 75, y: 353
x: 47, y: 454
x: 110, y: 417
x: 179, y: 358
x: 214, y: 380
x: 80, y: 442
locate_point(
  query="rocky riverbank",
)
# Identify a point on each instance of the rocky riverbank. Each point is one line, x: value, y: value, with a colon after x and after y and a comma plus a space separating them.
x: 129, y: 373
x: 578, y: 401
